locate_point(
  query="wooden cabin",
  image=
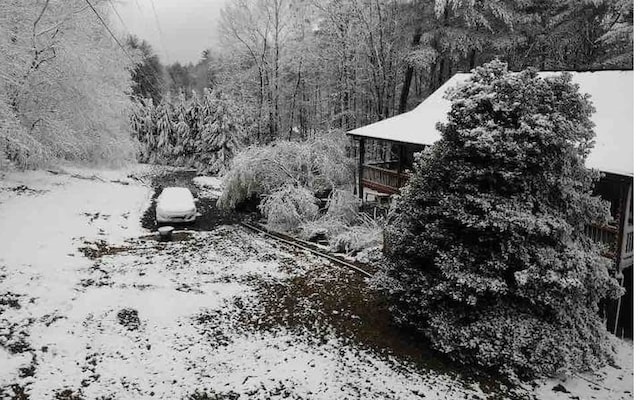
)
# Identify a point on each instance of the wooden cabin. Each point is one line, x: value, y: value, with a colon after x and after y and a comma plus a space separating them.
x: 612, y: 96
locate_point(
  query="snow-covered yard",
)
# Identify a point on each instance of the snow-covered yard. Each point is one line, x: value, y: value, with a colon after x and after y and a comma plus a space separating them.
x: 93, y: 306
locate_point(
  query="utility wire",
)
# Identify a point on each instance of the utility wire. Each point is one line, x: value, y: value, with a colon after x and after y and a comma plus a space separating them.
x: 139, y: 8
x: 109, y: 30
x: 145, y: 78
x: 155, y: 15
x: 115, y: 10
x: 161, y: 35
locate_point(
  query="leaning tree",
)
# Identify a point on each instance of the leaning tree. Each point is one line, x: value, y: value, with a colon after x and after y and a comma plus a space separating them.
x: 489, y: 257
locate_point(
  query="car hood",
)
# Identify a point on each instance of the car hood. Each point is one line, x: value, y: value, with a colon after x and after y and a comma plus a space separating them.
x: 175, y: 200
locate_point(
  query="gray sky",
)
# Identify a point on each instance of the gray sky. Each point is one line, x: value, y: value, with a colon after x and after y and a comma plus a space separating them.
x: 186, y: 27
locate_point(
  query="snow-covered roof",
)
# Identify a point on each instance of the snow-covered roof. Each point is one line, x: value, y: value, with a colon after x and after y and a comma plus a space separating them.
x: 611, y: 93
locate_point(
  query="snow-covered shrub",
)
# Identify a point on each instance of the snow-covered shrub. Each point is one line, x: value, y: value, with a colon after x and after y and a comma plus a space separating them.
x: 348, y: 230
x: 340, y: 213
x: 287, y: 208
x: 343, y: 205
x: 319, y: 165
x: 489, y: 257
x: 366, y: 234
x: 287, y: 176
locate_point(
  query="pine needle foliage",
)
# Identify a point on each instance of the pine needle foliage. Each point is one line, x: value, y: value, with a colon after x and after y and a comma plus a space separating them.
x: 489, y: 257
x: 203, y: 132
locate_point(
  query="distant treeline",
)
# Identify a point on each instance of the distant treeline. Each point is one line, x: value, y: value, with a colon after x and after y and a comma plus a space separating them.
x: 299, y: 67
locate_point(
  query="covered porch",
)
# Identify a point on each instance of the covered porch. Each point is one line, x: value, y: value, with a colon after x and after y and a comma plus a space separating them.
x: 383, y: 171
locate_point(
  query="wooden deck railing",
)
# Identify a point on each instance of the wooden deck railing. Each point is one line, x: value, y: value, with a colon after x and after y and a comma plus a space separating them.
x: 626, y: 255
x: 605, y: 234
x: 389, y: 181
x: 383, y: 180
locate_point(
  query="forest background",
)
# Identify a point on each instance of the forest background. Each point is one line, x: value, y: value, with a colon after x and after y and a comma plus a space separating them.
x: 280, y: 69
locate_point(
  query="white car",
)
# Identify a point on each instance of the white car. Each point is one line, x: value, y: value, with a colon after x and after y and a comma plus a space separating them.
x: 175, y: 204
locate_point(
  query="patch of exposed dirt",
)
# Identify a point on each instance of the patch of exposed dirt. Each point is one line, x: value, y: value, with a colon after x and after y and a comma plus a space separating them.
x: 212, y: 395
x: 14, y: 336
x: 14, y: 392
x: 68, y: 394
x: 211, y: 216
x: 340, y: 301
x: 94, y: 216
x: 128, y: 317
x: 97, y: 249
x: 9, y: 300
x: 176, y: 236
x: 23, y: 190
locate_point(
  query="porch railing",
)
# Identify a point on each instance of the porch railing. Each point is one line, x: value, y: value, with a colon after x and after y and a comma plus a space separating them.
x: 605, y: 234
x: 382, y: 179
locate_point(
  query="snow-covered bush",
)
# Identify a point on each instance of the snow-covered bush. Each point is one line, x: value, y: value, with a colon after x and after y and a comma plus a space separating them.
x: 319, y: 165
x: 288, y: 177
x: 347, y: 229
x: 489, y: 257
x: 343, y: 205
x: 355, y: 238
x: 287, y: 208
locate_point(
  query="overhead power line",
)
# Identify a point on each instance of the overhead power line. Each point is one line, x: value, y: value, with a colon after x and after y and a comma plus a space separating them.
x: 109, y: 30
x: 139, y: 8
x: 115, y: 10
x: 157, y: 20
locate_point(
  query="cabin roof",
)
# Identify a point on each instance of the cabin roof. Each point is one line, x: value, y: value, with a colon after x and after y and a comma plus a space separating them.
x: 611, y: 93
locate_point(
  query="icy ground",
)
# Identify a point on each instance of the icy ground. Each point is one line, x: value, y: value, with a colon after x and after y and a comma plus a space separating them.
x: 92, y: 306
x: 210, y: 186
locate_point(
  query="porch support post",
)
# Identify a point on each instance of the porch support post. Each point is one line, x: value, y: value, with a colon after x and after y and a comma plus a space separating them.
x: 625, y: 199
x: 360, y: 167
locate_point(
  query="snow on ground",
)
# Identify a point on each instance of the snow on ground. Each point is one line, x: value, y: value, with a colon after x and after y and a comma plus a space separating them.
x: 612, y: 382
x: 93, y: 306
x: 210, y: 186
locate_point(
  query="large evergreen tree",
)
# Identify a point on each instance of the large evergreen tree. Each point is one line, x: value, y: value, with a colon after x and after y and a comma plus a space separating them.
x: 147, y: 73
x: 489, y: 258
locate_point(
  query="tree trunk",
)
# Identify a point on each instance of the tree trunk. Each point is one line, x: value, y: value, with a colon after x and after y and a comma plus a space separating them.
x: 408, y: 75
x: 276, y: 96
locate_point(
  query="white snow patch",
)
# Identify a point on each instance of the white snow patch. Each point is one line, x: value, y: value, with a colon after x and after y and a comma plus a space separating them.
x: 608, y: 383
x: 210, y: 186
